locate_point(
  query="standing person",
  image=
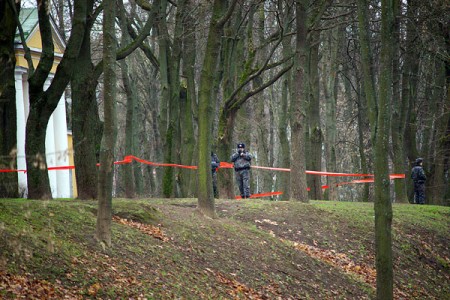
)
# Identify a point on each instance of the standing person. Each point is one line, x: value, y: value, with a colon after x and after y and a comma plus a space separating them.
x: 419, y: 178
x: 241, y: 159
x: 215, y: 163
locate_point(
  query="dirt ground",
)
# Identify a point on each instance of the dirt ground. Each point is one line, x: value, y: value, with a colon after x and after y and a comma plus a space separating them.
x: 254, y: 250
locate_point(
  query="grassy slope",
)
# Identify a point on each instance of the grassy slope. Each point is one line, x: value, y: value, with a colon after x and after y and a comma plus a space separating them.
x: 255, y: 250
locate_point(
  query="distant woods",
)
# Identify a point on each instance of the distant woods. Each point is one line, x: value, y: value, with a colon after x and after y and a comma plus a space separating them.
x: 301, y: 95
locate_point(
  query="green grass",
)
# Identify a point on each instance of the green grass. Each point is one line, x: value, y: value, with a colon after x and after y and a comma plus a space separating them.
x: 55, y: 241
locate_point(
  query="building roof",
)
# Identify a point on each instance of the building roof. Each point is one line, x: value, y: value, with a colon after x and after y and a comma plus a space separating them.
x: 29, y: 19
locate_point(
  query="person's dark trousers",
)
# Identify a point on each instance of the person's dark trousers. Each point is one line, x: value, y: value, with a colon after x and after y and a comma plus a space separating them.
x: 419, y: 193
x: 243, y: 182
x: 214, y: 181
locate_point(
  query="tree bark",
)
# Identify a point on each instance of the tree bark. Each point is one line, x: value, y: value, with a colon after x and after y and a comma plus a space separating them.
x: 334, y: 38
x: 8, y: 119
x: 283, y: 178
x: 383, y: 206
x: 43, y: 103
x: 188, y: 106
x: 205, y: 192
x: 298, y: 109
x: 105, y: 178
x: 379, y: 118
x: 129, y: 86
x: 314, y: 128
x: 86, y: 125
x: 398, y: 116
x: 409, y: 88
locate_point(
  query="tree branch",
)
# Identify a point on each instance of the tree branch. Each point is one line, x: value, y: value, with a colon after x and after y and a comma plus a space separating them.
x: 27, y: 52
x: 231, y: 99
x: 227, y: 16
x: 241, y: 101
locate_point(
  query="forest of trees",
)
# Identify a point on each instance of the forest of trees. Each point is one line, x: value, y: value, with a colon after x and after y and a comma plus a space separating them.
x: 349, y: 86
x: 304, y: 96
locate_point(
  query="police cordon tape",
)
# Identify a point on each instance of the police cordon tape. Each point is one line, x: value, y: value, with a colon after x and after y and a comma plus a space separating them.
x: 226, y: 165
x: 223, y: 165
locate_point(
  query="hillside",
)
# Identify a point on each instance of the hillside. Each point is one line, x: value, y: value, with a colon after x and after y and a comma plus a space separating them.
x: 256, y: 249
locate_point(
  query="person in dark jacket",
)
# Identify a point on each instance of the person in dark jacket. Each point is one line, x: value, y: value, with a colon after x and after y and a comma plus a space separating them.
x: 419, y: 178
x: 215, y: 163
x: 242, y: 159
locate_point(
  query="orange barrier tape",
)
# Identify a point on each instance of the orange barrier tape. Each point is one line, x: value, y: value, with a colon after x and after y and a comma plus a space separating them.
x: 61, y: 168
x: 261, y: 195
x: 335, y: 174
x: 130, y: 158
x: 11, y: 170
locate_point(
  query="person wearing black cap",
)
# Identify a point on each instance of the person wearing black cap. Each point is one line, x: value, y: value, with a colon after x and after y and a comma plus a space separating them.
x: 241, y: 159
x: 419, y: 178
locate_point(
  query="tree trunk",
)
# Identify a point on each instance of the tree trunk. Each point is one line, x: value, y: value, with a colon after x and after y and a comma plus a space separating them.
x: 232, y: 58
x: 379, y: 118
x: 106, y: 171
x: 438, y: 182
x: 262, y: 118
x: 129, y: 86
x: 383, y: 206
x: 42, y: 104
x: 8, y: 118
x: 213, y: 44
x: 170, y: 55
x: 298, y: 109
x: 330, y: 90
x: 283, y: 178
x: 398, y: 117
x: 315, y: 130
x: 86, y: 125
x: 409, y: 88
x: 188, y: 106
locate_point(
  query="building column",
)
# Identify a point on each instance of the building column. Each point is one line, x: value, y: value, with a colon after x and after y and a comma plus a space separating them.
x: 61, y: 147
x: 22, y: 115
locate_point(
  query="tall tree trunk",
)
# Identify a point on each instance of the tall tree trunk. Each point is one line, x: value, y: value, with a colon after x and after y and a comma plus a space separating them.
x: 330, y: 81
x: 379, y: 122
x: 86, y: 125
x: 398, y: 116
x: 283, y: 178
x: 315, y: 130
x: 105, y: 178
x: 357, y: 80
x: 8, y: 118
x: 166, y: 126
x: 232, y: 60
x: 170, y: 55
x: 438, y: 182
x: 178, y: 93
x: 205, y: 191
x: 188, y: 106
x: 129, y: 86
x: 298, y: 109
x: 383, y: 206
x: 263, y: 120
x: 43, y: 103
x: 409, y: 87
x: 362, y: 129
